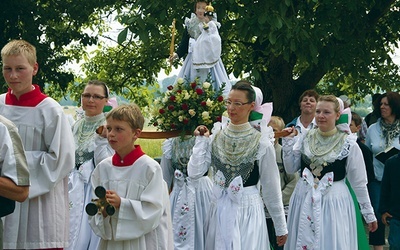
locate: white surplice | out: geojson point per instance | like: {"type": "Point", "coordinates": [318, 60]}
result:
{"type": "Point", "coordinates": [143, 221]}
{"type": "Point", "coordinates": [42, 221]}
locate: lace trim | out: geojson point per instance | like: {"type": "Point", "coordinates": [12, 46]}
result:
{"type": "Point", "coordinates": [367, 212]}
{"type": "Point", "coordinates": [84, 135]}
{"type": "Point", "coordinates": [181, 152]}
{"type": "Point", "coordinates": [234, 151]}
{"type": "Point", "coordinates": [192, 25]}
{"type": "Point", "coordinates": [340, 151]}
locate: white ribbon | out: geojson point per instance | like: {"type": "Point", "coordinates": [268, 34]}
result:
{"type": "Point", "coordinates": [228, 201]}
{"type": "Point", "coordinates": [310, 216]}
{"type": "Point", "coordinates": [183, 216]}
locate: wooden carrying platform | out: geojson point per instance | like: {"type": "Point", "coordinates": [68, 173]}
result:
{"type": "Point", "coordinates": [176, 133]}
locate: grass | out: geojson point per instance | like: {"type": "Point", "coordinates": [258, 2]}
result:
{"type": "Point", "coordinates": [152, 147]}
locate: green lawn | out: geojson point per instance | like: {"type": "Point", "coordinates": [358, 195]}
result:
{"type": "Point", "coordinates": [152, 147]}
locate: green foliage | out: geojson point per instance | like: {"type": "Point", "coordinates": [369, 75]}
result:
{"type": "Point", "coordinates": [287, 47]}
{"type": "Point", "coordinates": [56, 29]}
{"type": "Point", "coordinates": [127, 74]}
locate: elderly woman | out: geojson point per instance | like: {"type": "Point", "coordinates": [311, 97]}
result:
{"type": "Point", "coordinates": [321, 211]}
{"type": "Point", "coordinates": [380, 136]}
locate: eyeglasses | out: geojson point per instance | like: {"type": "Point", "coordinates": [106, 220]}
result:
{"type": "Point", "coordinates": [235, 104]}
{"type": "Point", "coordinates": [95, 97]}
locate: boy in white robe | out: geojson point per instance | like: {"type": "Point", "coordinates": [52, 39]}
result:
{"type": "Point", "coordinates": [42, 221]}
{"type": "Point", "coordinates": [134, 187]}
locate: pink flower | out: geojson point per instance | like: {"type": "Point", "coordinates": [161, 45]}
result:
{"type": "Point", "coordinates": [220, 98]}
{"type": "Point", "coordinates": [185, 121]}
{"type": "Point", "coordinates": [161, 111]}
{"type": "Point", "coordinates": [172, 98]}
{"type": "Point", "coordinates": [193, 85]}
{"type": "Point", "coordinates": [218, 118]}
{"type": "Point", "coordinates": [203, 103]}
{"type": "Point", "coordinates": [171, 107]}
{"type": "Point", "coordinates": [170, 87]}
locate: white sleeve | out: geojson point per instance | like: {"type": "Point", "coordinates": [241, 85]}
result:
{"type": "Point", "coordinates": [200, 159]}
{"type": "Point", "coordinates": [166, 163]}
{"type": "Point", "coordinates": [12, 156]}
{"type": "Point", "coordinates": [103, 149]}
{"type": "Point", "coordinates": [100, 225]}
{"type": "Point", "coordinates": [357, 177]}
{"type": "Point", "coordinates": [291, 154]}
{"type": "Point", "coordinates": [53, 163]}
{"type": "Point", "coordinates": [271, 189]}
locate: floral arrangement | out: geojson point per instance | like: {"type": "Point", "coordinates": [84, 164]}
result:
{"type": "Point", "coordinates": [186, 105]}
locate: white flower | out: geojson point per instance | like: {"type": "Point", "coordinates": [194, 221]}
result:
{"type": "Point", "coordinates": [165, 99]}
{"type": "Point", "coordinates": [209, 102]}
{"type": "Point", "coordinates": [192, 112]}
{"type": "Point", "coordinates": [180, 118]}
{"type": "Point", "coordinates": [205, 115]}
{"type": "Point", "coordinates": [180, 80]}
{"type": "Point", "coordinates": [187, 96]}
{"type": "Point", "coordinates": [160, 121]}
{"type": "Point", "coordinates": [206, 85]}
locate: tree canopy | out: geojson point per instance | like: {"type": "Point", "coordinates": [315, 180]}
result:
{"type": "Point", "coordinates": [57, 30]}
{"type": "Point", "coordinates": [289, 46]}
{"type": "Point", "coordinates": [286, 47]}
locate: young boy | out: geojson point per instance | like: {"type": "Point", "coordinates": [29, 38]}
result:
{"type": "Point", "coordinates": [355, 126]}
{"type": "Point", "coordinates": [41, 222]}
{"type": "Point", "coordinates": [14, 178]}
{"type": "Point", "coordinates": [389, 205]}
{"type": "Point", "coordinates": [288, 181]}
{"type": "Point", "coordinates": [134, 186]}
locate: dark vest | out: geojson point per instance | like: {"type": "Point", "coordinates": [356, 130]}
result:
{"type": "Point", "coordinates": [338, 168]}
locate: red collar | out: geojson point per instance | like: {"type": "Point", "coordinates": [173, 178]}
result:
{"type": "Point", "coordinates": [129, 159]}
{"type": "Point", "coordinates": [30, 99]}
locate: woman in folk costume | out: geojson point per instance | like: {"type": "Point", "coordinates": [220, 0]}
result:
{"type": "Point", "coordinates": [321, 210]}
{"type": "Point", "coordinates": [240, 158]}
{"type": "Point", "coordinates": [202, 44]}
{"type": "Point", "coordinates": [90, 150]}
{"type": "Point", "coordinates": [190, 198]}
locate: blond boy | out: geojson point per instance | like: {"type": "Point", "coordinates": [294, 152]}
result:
{"type": "Point", "coordinates": [134, 186]}
{"type": "Point", "coordinates": [41, 222]}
